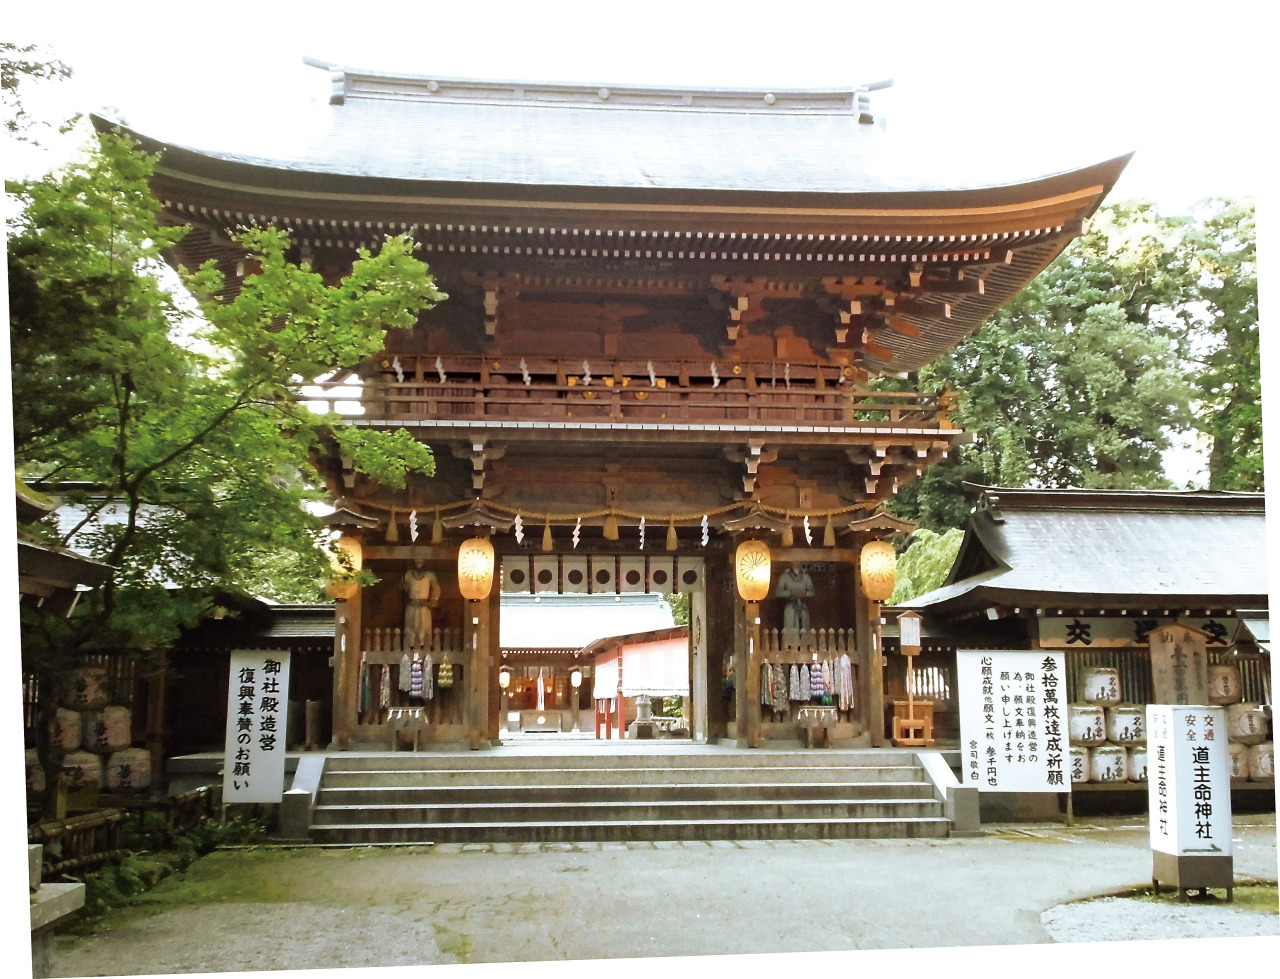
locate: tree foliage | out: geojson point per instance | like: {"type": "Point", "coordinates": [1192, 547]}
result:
{"type": "Point", "coordinates": [1145, 327]}
{"type": "Point", "coordinates": [191, 429]}
{"type": "Point", "coordinates": [925, 563]}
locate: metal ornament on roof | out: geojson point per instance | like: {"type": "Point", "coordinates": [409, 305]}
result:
{"type": "Point", "coordinates": [756, 519]}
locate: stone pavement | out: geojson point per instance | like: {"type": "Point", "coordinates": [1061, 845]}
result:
{"type": "Point", "coordinates": [496, 903]}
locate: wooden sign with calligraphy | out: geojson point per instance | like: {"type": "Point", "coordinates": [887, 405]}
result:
{"type": "Point", "coordinates": [1179, 666]}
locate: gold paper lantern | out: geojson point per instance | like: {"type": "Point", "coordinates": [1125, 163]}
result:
{"type": "Point", "coordinates": [751, 564]}
{"type": "Point", "coordinates": [347, 558]}
{"type": "Point", "coordinates": [879, 568]}
{"type": "Point", "coordinates": [475, 568]}
{"type": "Point", "coordinates": [504, 678]}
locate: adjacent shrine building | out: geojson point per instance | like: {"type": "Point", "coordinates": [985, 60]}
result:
{"type": "Point", "coordinates": [666, 308]}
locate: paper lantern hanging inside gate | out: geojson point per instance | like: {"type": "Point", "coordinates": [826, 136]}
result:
{"type": "Point", "coordinates": [751, 564]}
{"type": "Point", "coordinates": [879, 569]}
{"type": "Point", "coordinates": [475, 568]}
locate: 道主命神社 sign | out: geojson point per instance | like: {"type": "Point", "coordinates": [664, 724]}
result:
{"type": "Point", "coordinates": [1188, 780]}
{"type": "Point", "coordinates": [1013, 720]}
{"type": "Point", "coordinates": [257, 704]}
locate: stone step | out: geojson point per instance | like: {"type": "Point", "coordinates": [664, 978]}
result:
{"type": "Point", "coordinates": [687, 774]}
{"type": "Point", "coordinates": [562, 811]}
{"type": "Point", "coordinates": [818, 758]}
{"type": "Point", "coordinates": [401, 795]}
{"type": "Point", "coordinates": [585, 831]}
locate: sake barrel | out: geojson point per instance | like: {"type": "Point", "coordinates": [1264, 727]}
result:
{"type": "Point", "coordinates": [66, 730]}
{"type": "Point", "coordinates": [83, 770]}
{"type": "Point", "coordinates": [1086, 724]}
{"type": "Point", "coordinates": [1238, 755]}
{"type": "Point", "coordinates": [1079, 764]}
{"type": "Point", "coordinates": [1262, 762]}
{"type": "Point", "coordinates": [1246, 723]}
{"type": "Point", "coordinates": [1138, 763]}
{"type": "Point", "coordinates": [85, 688]}
{"type": "Point", "coordinates": [1100, 685]}
{"type": "Point", "coordinates": [107, 730]}
{"type": "Point", "coordinates": [35, 771]}
{"type": "Point", "coordinates": [1108, 763]}
{"type": "Point", "coordinates": [1127, 724]}
{"type": "Point", "coordinates": [1224, 684]}
{"type": "Point", "coordinates": [128, 770]}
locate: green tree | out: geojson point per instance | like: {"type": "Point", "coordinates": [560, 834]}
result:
{"type": "Point", "coordinates": [191, 429]}
{"type": "Point", "coordinates": [1226, 363]}
{"type": "Point", "coordinates": [926, 562]}
{"type": "Point", "coordinates": [1082, 379]}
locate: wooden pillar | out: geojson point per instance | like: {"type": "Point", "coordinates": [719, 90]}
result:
{"type": "Point", "coordinates": [157, 695]}
{"type": "Point", "coordinates": [751, 682]}
{"type": "Point", "coordinates": [496, 700]}
{"type": "Point", "coordinates": [871, 660]}
{"type": "Point", "coordinates": [478, 674]}
{"type": "Point", "coordinates": [622, 715]}
{"type": "Point", "coordinates": [346, 669]}
{"type": "Point", "coordinates": [699, 667]}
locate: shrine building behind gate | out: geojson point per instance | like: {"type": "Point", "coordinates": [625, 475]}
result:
{"type": "Point", "coordinates": [666, 308]}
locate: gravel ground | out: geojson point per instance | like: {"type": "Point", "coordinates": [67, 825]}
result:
{"type": "Point", "coordinates": [1028, 886]}
{"type": "Point", "coordinates": [1121, 919]}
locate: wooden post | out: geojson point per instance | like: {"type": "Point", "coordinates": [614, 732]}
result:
{"type": "Point", "coordinates": [157, 690]}
{"type": "Point", "coordinates": [478, 669]}
{"type": "Point", "coordinates": [876, 676]}
{"type": "Point", "coordinates": [346, 669]}
{"type": "Point", "coordinates": [752, 680]}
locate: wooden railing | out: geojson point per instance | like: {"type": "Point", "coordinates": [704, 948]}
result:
{"type": "Point", "coordinates": [90, 840]}
{"type": "Point", "coordinates": [625, 390]}
{"type": "Point", "coordinates": [800, 646]}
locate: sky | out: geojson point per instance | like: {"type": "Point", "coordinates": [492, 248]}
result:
{"type": "Point", "coordinates": [1189, 88]}
{"type": "Point", "coordinates": [977, 88]}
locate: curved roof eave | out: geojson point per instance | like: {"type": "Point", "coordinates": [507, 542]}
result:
{"type": "Point", "coordinates": [280, 178]}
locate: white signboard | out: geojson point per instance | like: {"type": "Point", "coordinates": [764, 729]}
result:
{"type": "Point", "coordinates": [257, 703]}
{"type": "Point", "coordinates": [1012, 720]}
{"type": "Point", "coordinates": [1189, 780]}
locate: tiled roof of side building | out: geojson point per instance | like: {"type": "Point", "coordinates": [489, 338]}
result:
{"type": "Point", "coordinates": [1100, 547]}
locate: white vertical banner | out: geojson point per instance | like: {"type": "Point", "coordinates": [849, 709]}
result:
{"type": "Point", "coordinates": [1012, 705]}
{"type": "Point", "coordinates": [1188, 780]}
{"type": "Point", "coordinates": [257, 705]}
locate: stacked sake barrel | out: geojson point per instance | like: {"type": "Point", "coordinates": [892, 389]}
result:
{"type": "Point", "coordinates": [1252, 756]}
{"type": "Point", "coordinates": [95, 739]}
{"type": "Point", "coordinates": [1108, 737]}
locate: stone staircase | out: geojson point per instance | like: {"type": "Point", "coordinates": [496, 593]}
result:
{"type": "Point", "coordinates": [492, 797]}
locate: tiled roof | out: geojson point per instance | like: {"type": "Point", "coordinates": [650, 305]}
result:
{"type": "Point", "coordinates": [547, 135]}
{"type": "Point", "coordinates": [1091, 548]}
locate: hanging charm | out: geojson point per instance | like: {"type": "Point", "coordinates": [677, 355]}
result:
{"type": "Point", "coordinates": [437, 530]}
{"type": "Point", "coordinates": [642, 533]}
{"type": "Point", "coordinates": [829, 534]}
{"type": "Point", "coordinates": [440, 370]}
{"type": "Point", "coordinates": [788, 536]}
{"type": "Point", "coordinates": [519, 530]}
{"type": "Point", "coordinates": [586, 373]}
{"type": "Point", "coordinates": [413, 526]}
{"type": "Point", "coordinates": [524, 373]}
{"type": "Point", "coordinates": [610, 527]}
{"type": "Point", "coordinates": [653, 375]}
{"type": "Point", "coordinates": [715, 375]}
{"type": "Point", "coordinates": [395, 366]}
{"type": "Point", "coordinates": [546, 536]}
{"type": "Point", "coordinates": [672, 540]}
{"type": "Point", "coordinates": [577, 533]}
{"type": "Point", "coordinates": [393, 532]}
{"type": "Point", "coordinates": [808, 534]}
{"type": "Point", "coordinates": [706, 534]}
{"type": "Point", "coordinates": [786, 375]}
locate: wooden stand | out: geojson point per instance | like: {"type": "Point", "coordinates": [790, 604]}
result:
{"type": "Point", "coordinates": [913, 723]}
